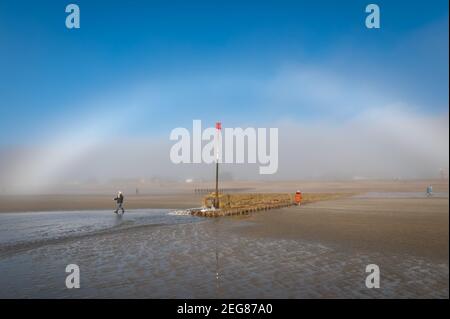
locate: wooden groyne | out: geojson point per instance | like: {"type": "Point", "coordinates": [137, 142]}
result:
{"type": "Point", "coordinates": [241, 204]}
{"type": "Point", "coordinates": [221, 190]}
{"type": "Point", "coordinates": [246, 203]}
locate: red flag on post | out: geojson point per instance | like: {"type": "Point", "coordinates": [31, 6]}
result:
{"type": "Point", "coordinates": [218, 125]}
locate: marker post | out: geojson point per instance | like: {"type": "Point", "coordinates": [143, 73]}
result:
{"type": "Point", "coordinates": [218, 128]}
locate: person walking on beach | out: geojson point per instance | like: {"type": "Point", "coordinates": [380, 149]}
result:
{"type": "Point", "coordinates": [429, 191]}
{"type": "Point", "coordinates": [119, 203]}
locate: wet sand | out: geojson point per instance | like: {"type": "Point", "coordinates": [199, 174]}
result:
{"type": "Point", "coordinates": [415, 226]}
{"type": "Point", "coordinates": [319, 250]}
{"type": "Point", "coordinates": [253, 260]}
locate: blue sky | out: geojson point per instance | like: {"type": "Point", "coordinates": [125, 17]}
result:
{"type": "Point", "coordinates": [214, 59]}
{"type": "Point", "coordinates": [135, 70]}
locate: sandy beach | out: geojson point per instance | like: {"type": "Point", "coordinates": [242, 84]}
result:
{"type": "Point", "coordinates": [58, 202]}
{"type": "Point", "coordinates": [183, 195]}
{"type": "Point", "coordinates": [414, 226]}
{"type": "Point", "coordinates": [318, 250]}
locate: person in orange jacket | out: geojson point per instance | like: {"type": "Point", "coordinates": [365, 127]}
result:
{"type": "Point", "coordinates": [298, 197]}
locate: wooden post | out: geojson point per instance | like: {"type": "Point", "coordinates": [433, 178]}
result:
{"type": "Point", "coordinates": [218, 128]}
{"type": "Point", "coordinates": [216, 204]}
